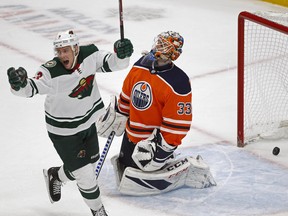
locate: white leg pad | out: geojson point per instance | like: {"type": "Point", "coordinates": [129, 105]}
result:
{"type": "Point", "coordinates": [188, 171]}
{"type": "Point", "coordinates": [117, 169]}
{"type": "Point", "coordinates": [138, 183]}
{"type": "Point", "coordinates": [199, 175]}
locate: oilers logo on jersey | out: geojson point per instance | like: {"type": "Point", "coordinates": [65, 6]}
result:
{"type": "Point", "coordinates": [142, 95]}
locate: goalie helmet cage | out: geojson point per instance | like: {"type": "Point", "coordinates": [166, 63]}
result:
{"type": "Point", "coordinates": [262, 108]}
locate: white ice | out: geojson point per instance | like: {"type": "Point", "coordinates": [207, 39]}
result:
{"type": "Point", "coordinates": [251, 181]}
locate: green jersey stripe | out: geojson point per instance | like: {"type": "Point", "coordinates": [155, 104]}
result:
{"type": "Point", "coordinates": [73, 122]}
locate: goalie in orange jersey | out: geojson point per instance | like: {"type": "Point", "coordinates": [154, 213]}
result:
{"type": "Point", "coordinates": [155, 111]}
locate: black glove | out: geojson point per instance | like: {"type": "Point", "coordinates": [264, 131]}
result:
{"type": "Point", "coordinates": [123, 48]}
{"type": "Point", "coordinates": [17, 78]}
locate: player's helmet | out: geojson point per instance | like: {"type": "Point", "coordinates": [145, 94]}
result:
{"type": "Point", "coordinates": [66, 38]}
{"type": "Point", "coordinates": [168, 45]}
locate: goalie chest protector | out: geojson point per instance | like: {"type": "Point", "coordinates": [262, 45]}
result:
{"type": "Point", "coordinates": [157, 99]}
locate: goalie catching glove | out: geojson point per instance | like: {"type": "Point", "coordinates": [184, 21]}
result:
{"type": "Point", "coordinates": [153, 153]}
{"type": "Point", "coordinates": [112, 120]}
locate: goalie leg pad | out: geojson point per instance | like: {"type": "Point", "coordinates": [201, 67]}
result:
{"type": "Point", "coordinates": [199, 175]}
{"type": "Point", "coordinates": [118, 169]}
{"type": "Point", "coordinates": [138, 183]}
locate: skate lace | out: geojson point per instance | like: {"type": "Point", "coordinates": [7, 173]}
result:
{"type": "Point", "coordinates": [100, 212]}
{"type": "Point", "coordinates": [57, 187]}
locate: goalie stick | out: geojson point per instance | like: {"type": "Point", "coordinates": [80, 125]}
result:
{"type": "Point", "coordinates": [104, 153]}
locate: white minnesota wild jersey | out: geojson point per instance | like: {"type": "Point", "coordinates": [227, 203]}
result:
{"type": "Point", "coordinates": [73, 101]}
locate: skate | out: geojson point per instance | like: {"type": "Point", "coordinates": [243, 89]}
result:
{"type": "Point", "coordinates": [99, 212]}
{"type": "Point", "coordinates": [53, 183]}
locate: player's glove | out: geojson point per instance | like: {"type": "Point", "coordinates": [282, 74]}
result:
{"type": "Point", "coordinates": [123, 48]}
{"type": "Point", "coordinates": [153, 153]}
{"type": "Point", "coordinates": [112, 120]}
{"type": "Point", "coordinates": [17, 78]}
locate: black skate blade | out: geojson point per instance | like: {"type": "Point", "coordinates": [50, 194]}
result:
{"type": "Point", "coordinates": [45, 173]}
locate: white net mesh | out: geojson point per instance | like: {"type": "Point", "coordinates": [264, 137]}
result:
{"type": "Point", "coordinates": [265, 79]}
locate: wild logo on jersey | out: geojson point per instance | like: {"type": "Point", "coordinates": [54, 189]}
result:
{"type": "Point", "coordinates": [142, 95]}
{"type": "Point", "coordinates": [84, 88]}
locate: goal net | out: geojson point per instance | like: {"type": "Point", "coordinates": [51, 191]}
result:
{"type": "Point", "coordinates": [262, 76]}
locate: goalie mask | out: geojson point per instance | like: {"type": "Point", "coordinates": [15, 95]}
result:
{"type": "Point", "coordinates": [168, 45]}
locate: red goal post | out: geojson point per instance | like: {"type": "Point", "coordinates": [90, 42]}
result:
{"type": "Point", "coordinates": [262, 106]}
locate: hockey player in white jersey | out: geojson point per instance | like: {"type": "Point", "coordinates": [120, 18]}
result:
{"type": "Point", "coordinates": [72, 106]}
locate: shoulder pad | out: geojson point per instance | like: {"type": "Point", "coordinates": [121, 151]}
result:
{"type": "Point", "coordinates": [86, 51]}
{"type": "Point", "coordinates": [177, 79]}
{"type": "Point", "coordinates": [50, 64]}
{"type": "Point", "coordinates": [55, 68]}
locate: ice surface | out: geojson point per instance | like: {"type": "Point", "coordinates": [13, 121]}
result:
{"type": "Point", "coordinates": [251, 181]}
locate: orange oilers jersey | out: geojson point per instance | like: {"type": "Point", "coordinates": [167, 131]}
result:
{"type": "Point", "coordinates": [156, 99]}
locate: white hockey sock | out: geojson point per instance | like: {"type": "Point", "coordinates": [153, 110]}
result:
{"type": "Point", "coordinates": [62, 175]}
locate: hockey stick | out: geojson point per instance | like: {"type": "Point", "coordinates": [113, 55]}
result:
{"type": "Point", "coordinates": [121, 20]}
{"type": "Point", "coordinates": [112, 134]}
{"type": "Point", "coordinates": [104, 153]}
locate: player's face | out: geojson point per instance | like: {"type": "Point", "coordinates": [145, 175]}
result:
{"type": "Point", "coordinates": [162, 60]}
{"type": "Point", "coordinates": [66, 56]}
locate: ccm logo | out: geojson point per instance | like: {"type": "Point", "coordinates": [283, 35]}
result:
{"type": "Point", "coordinates": [180, 163]}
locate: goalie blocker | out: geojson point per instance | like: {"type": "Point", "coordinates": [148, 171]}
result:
{"type": "Point", "coordinates": [187, 171]}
